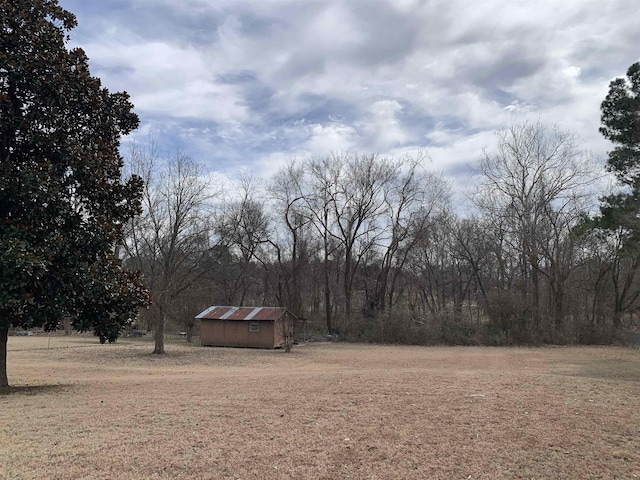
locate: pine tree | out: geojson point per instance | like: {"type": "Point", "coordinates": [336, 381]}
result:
{"type": "Point", "coordinates": [621, 125]}
{"type": "Point", "coordinates": [620, 212]}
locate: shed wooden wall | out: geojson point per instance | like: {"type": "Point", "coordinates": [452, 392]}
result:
{"type": "Point", "coordinates": [235, 333]}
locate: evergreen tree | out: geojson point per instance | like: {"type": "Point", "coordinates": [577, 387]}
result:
{"type": "Point", "coordinates": [620, 212]}
{"type": "Point", "coordinates": [63, 203]}
{"type": "Point", "coordinates": [621, 124]}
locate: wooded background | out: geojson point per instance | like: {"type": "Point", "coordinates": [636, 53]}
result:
{"type": "Point", "coordinates": [371, 248]}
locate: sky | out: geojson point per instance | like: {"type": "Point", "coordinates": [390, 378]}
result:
{"type": "Point", "coordinates": [247, 85]}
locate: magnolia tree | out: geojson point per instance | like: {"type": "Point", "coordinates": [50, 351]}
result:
{"type": "Point", "coordinates": [63, 202]}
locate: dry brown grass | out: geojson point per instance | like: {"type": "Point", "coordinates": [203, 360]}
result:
{"type": "Point", "coordinates": [328, 411]}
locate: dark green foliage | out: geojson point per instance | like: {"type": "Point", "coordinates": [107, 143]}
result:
{"type": "Point", "coordinates": [63, 205]}
{"type": "Point", "coordinates": [621, 124]}
{"type": "Point", "coordinates": [619, 218]}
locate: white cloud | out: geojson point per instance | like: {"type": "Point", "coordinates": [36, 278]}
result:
{"type": "Point", "coordinates": [335, 137]}
{"type": "Point", "coordinates": [168, 79]}
{"type": "Point", "coordinates": [381, 128]}
{"type": "Point", "coordinates": [264, 80]}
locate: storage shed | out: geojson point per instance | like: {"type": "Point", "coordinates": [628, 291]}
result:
{"type": "Point", "coordinates": [256, 327]}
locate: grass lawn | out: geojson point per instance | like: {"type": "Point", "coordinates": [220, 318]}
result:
{"type": "Point", "coordinates": [78, 409]}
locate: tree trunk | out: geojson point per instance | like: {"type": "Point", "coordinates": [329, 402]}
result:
{"type": "Point", "coordinates": [290, 326]}
{"type": "Point", "coordinates": [327, 307]}
{"type": "Point", "coordinates": [66, 323]}
{"type": "Point", "coordinates": [4, 335]}
{"type": "Point", "coordinates": [158, 335]}
{"type": "Point", "coordinates": [287, 344]}
{"type": "Point", "coordinates": [348, 281]}
{"type": "Point", "coordinates": [327, 291]}
{"type": "Point", "coordinates": [558, 306]}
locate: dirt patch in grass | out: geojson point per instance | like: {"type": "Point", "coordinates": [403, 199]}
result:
{"type": "Point", "coordinates": [84, 410]}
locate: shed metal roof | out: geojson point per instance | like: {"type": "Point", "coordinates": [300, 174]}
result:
{"type": "Point", "coordinates": [242, 313]}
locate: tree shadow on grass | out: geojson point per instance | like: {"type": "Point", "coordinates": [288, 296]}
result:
{"type": "Point", "coordinates": [33, 389]}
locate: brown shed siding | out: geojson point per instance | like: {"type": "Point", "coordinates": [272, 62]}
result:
{"type": "Point", "coordinates": [234, 333]}
{"type": "Point", "coordinates": [231, 326]}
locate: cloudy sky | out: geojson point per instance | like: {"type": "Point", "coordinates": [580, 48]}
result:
{"type": "Point", "coordinates": [242, 84]}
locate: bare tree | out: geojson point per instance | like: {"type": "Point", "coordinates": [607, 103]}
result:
{"type": "Point", "coordinates": [413, 197]}
{"type": "Point", "coordinates": [285, 328]}
{"type": "Point", "coordinates": [243, 226]}
{"type": "Point", "coordinates": [315, 189]}
{"type": "Point", "coordinates": [430, 263]}
{"type": "Point", "coordinates": [171, 237]}
{"type": "Point", "coordinates": [359, 202]}
{"type": "Point", "coordinates": [292, 247]}
{"type": "Point", "coordinates": [537, 181]}
{"type": "Point", "coordinates": [616, 262]}
{"type": "Point", "coordinates": [473, 247]}
{"type": "Point", "coordinates": [361, 208]}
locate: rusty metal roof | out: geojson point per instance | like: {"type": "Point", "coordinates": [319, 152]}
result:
{"type": "Point", "coordinates": [242, 313]}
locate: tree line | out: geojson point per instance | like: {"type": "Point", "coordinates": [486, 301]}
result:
{"type": "Point", "coordinates": [370, 248]}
